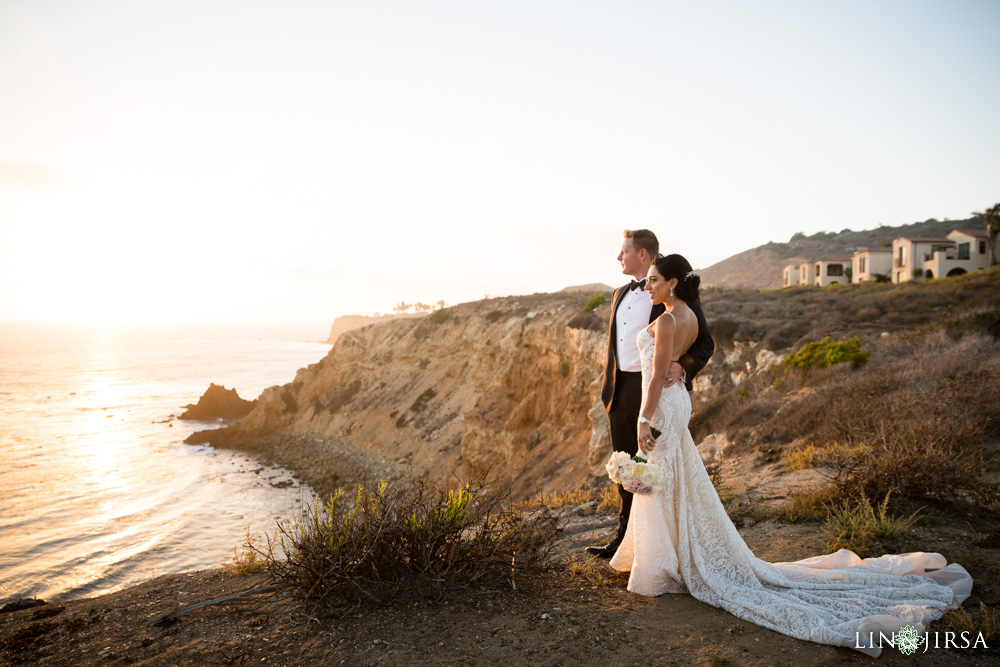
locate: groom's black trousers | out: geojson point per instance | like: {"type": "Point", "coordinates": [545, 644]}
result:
{"type": "Point", "coordinates": [623, 417]}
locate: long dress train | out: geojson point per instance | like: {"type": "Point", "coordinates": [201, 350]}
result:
{"type": "Point", "coordinates": [681, 540]}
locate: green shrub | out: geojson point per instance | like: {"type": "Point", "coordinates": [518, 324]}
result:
{"type": "Point", "coordinates": [438, 316]}
{"type": "Point", "coordinates": [823, 353]}
{"type": "Point", "coordinates": [594, 302]}
{"type": "Point", "coordinates": [564, 369]}
{"type": "Point", "coordinates": [405, 541]}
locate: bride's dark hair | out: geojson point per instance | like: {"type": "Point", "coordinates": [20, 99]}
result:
{"type": "Point", "coordinates": [675, 266]}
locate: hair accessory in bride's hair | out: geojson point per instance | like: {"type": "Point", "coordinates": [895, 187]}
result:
{"type": "Point", "coordinates": [691, 274]}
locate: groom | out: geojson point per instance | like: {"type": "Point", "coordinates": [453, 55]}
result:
{"type": "Point", "coordinates": [622, 392]}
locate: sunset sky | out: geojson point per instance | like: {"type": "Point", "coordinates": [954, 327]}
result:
{"type": "Point", "coordinates": [262, 162]}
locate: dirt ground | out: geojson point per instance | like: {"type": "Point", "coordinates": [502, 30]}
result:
{"type": "Point", "coordinates": [580, 613]}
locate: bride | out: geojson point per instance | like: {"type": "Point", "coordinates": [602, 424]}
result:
{"type": "Point", "coordinates": [680, 540]}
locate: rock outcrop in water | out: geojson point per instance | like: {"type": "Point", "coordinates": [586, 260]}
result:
{"type": "Point", "coordinates": [218, 403]}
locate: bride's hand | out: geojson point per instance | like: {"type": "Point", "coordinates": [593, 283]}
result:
{"type": "Point", "coordinates": [646, 440]}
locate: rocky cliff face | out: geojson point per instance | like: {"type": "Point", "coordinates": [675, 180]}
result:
{"type": "Point", "coordinates": [510, 385]}
{"type": "Point", "coordinates": [501, 384]}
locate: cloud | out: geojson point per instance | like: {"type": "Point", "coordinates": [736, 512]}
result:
{"type": "Point", "coordinates": [30, 176]}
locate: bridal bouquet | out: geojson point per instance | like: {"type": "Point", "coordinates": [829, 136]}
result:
{"type": "Point", "coordinates": [635, 473]}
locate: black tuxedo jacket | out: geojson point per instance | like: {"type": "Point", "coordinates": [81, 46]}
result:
{"type": "Point", "coordinates": [693, 361]}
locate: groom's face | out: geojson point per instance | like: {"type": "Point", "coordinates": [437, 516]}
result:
{"type": "Point", "coordinates": [630, 259]}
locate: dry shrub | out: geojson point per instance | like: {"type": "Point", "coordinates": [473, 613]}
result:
{"type": "Point", "coordinates": [915, 418]}
{"type": "Point", "coordinates": [248, 559]}
{"type": "Point", "coordinates": [858, 525]}
{"type": "Point", "coordinates": [988, 623]}
{"type": "Point", "coordinates": [809, 505]}
{"type": "Point", "coordinates": [801, 458]}
{"type": "Point", "coordinates": [410, 541]}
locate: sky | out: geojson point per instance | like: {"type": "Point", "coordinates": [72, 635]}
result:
{"type": "Point", "coordinates": [258, 163]}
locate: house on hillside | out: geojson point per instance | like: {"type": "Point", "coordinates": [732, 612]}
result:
{"type": "Point", "coordinates": [831, 270]}
{"type": "Point", "coordinates": [966, 251]}
{"type": "Point", "coordinates": [910, 254]}
{"type": "Point", "coordinates": [868, 263]}
{"type": "Point", "coordinates": [807, 273]}
{"type": "Point", "coordinates": [790, 275]}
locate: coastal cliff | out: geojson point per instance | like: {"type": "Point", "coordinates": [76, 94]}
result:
{"type": "Point", "coordinates": [509, 384]}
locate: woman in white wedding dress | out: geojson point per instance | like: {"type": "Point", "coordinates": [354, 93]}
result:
{"type": "Point", "coordinates": [680, 539]}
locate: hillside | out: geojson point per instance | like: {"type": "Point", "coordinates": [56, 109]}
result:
{"type": "Point", "coordinates": [761, 267]}
{"type": "Point", "coordinates": [512, 384]}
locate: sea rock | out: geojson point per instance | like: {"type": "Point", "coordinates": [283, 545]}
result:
{"type": "Point", "coordinates": [22, 603]}
{"type": "Point", "coordinates": [218, 403]}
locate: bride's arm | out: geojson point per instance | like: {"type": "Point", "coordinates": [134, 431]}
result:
{"type": "Point", "coordinates": [664, 345]}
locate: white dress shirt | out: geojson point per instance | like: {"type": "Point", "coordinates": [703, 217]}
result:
{"type": "Point", "coordinates": [632, 315]}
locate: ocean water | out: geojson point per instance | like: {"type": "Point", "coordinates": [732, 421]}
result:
{"type": "Point", "coordinates": [97, 490]}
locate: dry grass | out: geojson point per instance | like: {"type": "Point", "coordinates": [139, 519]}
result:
{"type": "Point", "coordinates": [399, 542]}
{"type": "Point", "coordinates": [248, 558]}
{"type": "Point", "coordinates": [986, 623]}
{"type": "Point", "coordinates": [585, 497]}
{"type": "Point", "coordinates": [801, 458]}
{"type": "Point", "coordinates": [810, 505]}
{"type": "Point", "coordinates": [858, 525]}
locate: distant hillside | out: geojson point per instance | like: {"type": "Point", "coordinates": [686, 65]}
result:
{"type": "Point", "coordinates": [761, 267]}
{"type": "Point", "coordinates": [591, 288]}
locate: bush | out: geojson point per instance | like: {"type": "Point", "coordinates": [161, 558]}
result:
{"type": "Point", "coordinates": [404, 541]}
{"type": "Point", "coordinates": [824, 353]}
{"type": "Point", "coordinates": [960, 620]}
{"type": "Point", "coordinates": [801, 458]}
{"type": "Point", "coordinates": [594, 302]}
{"type": "Point", "coordinates": [248, 559]}
{"type": "Point", "coordinates": [438, 316]}
{"type": "Point", "coordinates": [861, 526]}
{"type": "Point", "coordinates": [808, 505]}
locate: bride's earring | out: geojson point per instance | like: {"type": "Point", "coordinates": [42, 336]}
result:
{"type": "Point", "coordinates": [671, 291]}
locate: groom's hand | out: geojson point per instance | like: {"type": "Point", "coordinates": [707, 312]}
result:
{"type": "Point", "coordinates": [674, 373]}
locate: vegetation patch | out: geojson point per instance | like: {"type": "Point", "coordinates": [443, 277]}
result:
{"type": "Point", "coordinates": [858, 525]}
{"type": "Point", "coordinates": [399, 542]}
{"type": "Point", "coordinates": [801, 458]}
{"type": "Point", "coordinates": [987, 622]}
{"type": "Point", "coordinates": [594, 302]}
{"type": "Point", "coordinates": [826, 352]}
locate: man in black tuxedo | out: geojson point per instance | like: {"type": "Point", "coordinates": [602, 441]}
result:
{"type": "Point", "coordinates": [622, 391]}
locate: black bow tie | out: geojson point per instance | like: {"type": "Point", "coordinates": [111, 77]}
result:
{"type": "Point", "coordinates": [633, 284]}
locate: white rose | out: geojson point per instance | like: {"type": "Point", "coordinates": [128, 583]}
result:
{"type": "Point", "coordinates": [627, 469]}
{"type": "Point", "coordinates": [648, 477]}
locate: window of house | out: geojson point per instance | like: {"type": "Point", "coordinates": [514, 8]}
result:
{"type": "Point", "coordinates": [982, 247]}
{"type": "Point", "coordinates": [963, 250]}
{"type": "Point", "coordinates": [834, 269]}
{"type": "Point", "coordinates": [861, 265]}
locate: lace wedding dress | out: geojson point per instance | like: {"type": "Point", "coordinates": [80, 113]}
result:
{"type": "Point", "coordinates": [680, 540]}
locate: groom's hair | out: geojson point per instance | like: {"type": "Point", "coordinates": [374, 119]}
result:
{"type": "Point", "coordinates": [643, 239]}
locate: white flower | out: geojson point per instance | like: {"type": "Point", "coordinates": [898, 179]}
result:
{"type": "Point", "coordinates": [691, 274]}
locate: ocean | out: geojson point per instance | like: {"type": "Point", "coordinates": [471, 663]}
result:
{"type": "Point", "coordinates": [97, 489]}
